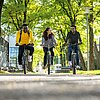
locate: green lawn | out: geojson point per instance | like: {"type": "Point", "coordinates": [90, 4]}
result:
{"type": "Point", "coordinates": [93, 72]}
{"type": "Point", "coordinates": [3, 72]}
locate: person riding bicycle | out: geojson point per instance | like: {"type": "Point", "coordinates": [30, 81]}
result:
{"type": "Point", "coordinates": [24, 38]}
{"type": "Point", "coordinates": [48, 39]}
{"type": "Point", "coordinates": [73, 37]}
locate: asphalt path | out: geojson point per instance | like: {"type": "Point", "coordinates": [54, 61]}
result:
{"type": "Point", "coordinates": [49, 87]}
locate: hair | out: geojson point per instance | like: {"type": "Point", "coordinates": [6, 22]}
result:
{"type": "Point", "coordinates": [73, 26]}
{"type": "Point", "coordinates": [24, 24]}
{"type": "Point", "coordinates": [45, 34]}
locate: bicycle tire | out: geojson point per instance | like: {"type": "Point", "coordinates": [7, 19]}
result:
{"type": "Point", "coordinates": [73, 64]}
{"type": "Point", "coordinates": [24, 65]}
{"type": "Point", "coordinates": [48, 64]}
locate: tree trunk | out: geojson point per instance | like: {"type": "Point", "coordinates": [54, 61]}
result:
{"type": "Point", "coordinates": [82, 61]}
{"type": "Point", "coordinates": [91, 40]}
{"type": "Point", "coordinates": [25, 12]}
{"type": "Point", "coordinates": [97, 56]}
{"type": "Point", "coordinates": [61, 58]}
{"type": "Point", "coordinates": [1, 4]}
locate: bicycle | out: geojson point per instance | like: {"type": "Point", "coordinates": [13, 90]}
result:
{"type": "Point", "coordinates": [48, 59]}
{"type": "Point", "coordinates": [24, 58]}
{"type": "Point", "coordinates": [73, 57]}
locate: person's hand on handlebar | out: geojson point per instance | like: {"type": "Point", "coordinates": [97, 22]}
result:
{"type": "Point", "coordinates": [31, 44]}
{"type": "Point", "coordinates": [65, 44]}
{"type": "Point", "coordinates": [80, 43]}
{"type": "Point", "coordinates": [17, 44]}
{"type": "Point", "coordinates": [42, 45]}
{"type": "Point", "coordinates": [56, 44]}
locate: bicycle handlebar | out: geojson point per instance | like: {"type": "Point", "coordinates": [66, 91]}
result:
{"type": "Point", "coordinates": [72, 44]}
{"type": "Point", "coordinates": [24, 45]}
{"type": "Point", "coordinates": [48, 45]}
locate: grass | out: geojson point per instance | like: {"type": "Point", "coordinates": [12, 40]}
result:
{"type": "Point", "coordinates": [3, 72]}
{"type": "Point", "coordinates": [92, 72]}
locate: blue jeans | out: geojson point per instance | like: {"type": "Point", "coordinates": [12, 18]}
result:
{"type": "Point", "coordinates": [75, 48]}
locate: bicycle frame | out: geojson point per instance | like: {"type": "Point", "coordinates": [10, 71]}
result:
{"type": "Point", "coordinates": [24, 60]}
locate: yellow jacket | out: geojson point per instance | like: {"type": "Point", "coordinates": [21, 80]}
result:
{"type": "Point", "coordinates": [25, 38]}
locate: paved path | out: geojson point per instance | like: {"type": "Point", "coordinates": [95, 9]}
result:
{"type": "Point", "coordinates": [44, 77]}
{"type": "Point", "coordinates": [53, 87]}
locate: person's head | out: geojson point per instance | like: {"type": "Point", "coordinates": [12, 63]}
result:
{"type": "Point", "coordinates": [47, 33]}
{"type": "Point", "coordinates": [73, 28]}
{"type": "Point", "coordinates": [25, 27]}
{"type": "Point", "coordinates": [48, 30]}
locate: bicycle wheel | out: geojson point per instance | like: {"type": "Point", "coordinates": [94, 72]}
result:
{"type": "Point", "coordinates": [48, 64]}
{"type": "Point", "coordinates": [73, 64]}
{"type": "Point", "coordinates": [24, 64]}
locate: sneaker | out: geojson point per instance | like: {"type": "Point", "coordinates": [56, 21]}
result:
{"type": "Point", "coordinates": [44, 67]}
{"type": "Point", "coordinates": [69, 64]}
{"type": "Point", "coordinates": [29, 58]}
{"type": "Point", "coordinates": [78, 67]}
{"type": "Point", "coordinates": [20, 67]}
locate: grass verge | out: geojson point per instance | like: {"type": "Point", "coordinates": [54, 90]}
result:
{"type": "Point", "coordinates": [3, 72]}
{"type": "Point", "coordinates": [92, 72]}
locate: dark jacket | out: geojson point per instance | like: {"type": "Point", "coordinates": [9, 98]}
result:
{"type": "Point", "coordinates": [73, 38]}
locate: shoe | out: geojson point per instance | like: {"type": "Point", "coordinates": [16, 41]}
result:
{"type": "Point", "coordinates": [43, 67]}
{"type": "Point", "coordinates": [70, 64]}
{"type": "Point", "coordinates": [20, 67]}
{"type": "Point", "coordinates": [78, 67]}
{"type": "Point", "coordinates": [29, 58]}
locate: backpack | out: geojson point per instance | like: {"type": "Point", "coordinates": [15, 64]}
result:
{"type": "Point", "coordinates": [21, 34]}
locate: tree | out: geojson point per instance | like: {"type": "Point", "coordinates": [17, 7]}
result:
{"type": "Point", "coordinates": [91, 39]}
{"type": "Point", "coordinates": [58, 14]}
{"type": "Point", "coordinates": [17, 16]}
{"type": "Point", "coordinates": [1, 5]}
{"type": "Point", "coordinates": [71, 9]}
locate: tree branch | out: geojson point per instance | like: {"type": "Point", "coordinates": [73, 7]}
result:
{"type": "Point", "coordinates": [13, 21]}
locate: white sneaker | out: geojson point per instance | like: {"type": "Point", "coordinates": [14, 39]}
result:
{"type": "Point", "coordinates": [69, 63]}
{"type": "Point", "coordinates": [29, 58]}
{"type": "Point", "coordinates": [78, 67]}
{"type": "Point", "coordinates": [20, 67]}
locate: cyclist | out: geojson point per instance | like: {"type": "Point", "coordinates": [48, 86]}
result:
{"type": "Point", "coordinates": [73, 37]}
{"type": "Point", "coordinates": [48, 39]}
{"type": "Point", "coordinates": [24, 37]}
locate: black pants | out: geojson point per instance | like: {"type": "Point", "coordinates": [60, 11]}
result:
{"type": "Point", "coordinates": [45, 49]}
{"type": "Point", "coordinates": [21, 51]}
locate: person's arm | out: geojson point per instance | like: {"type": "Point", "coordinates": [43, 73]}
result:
{"type": "Point", "coordinates": [80, 40]}
{"type": "Point", "coordinates": [54, 40]}
{"type": "Point", "coordinates": [17, 37]}
{"type": "Point", "coordinates": [43, 40]}
{"type": "Point", "coordinates": [31, 38]}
